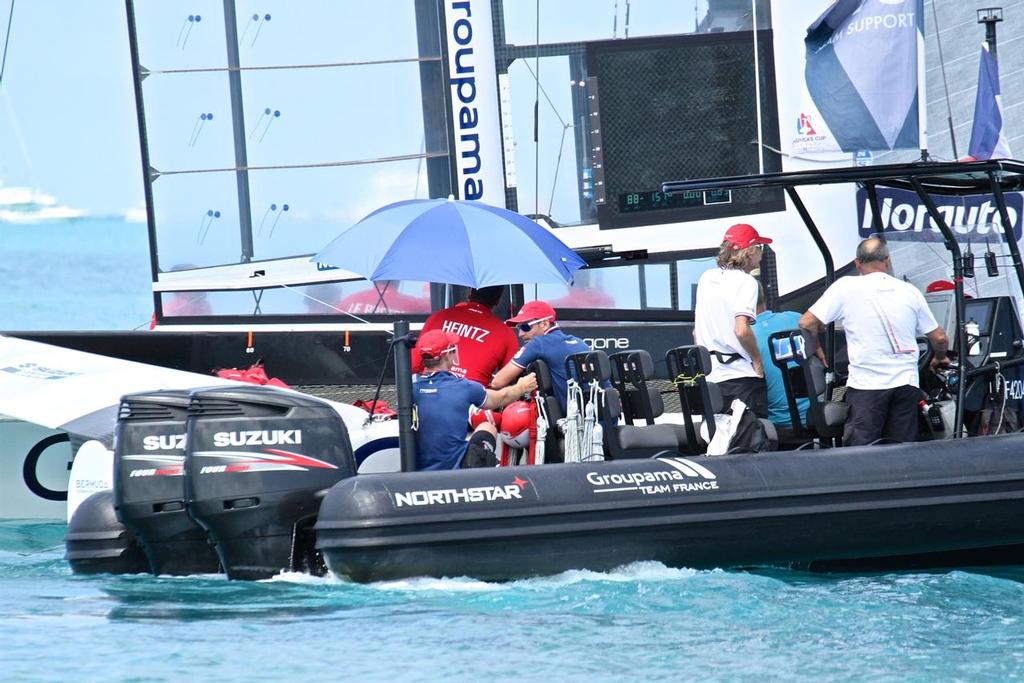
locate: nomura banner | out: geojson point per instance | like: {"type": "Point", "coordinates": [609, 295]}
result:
{"type": "Point", "coordinates": [863, 72]}
{"type": "Point", "coordinates": [973, 218]}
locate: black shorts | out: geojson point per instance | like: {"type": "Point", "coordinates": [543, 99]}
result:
{"type": "Point", "coordinates": [480, 452]}
{"type": "Point", "coordinates": [878, 413]}
{"type": "Point", "coordinates": [753, 391]}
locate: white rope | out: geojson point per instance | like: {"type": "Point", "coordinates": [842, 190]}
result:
{"type": "Point", "coordinates": [542, 430]}
{"type": "Point", "coordinates": [596, 437]}
{"type": "Point", "coordinates": [1001, 388]}
{"type": "Point", "coordinates": [589, 420]}
{"type": "Point", "coordinates": [571, 424]}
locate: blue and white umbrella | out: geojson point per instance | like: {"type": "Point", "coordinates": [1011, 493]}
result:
{"type": "Point", "coordinates": [451, 241]}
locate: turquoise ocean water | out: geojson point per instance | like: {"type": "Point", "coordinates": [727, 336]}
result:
{"type": "Point", "coordinates": [79, 275]}
{"type": "Point", "coordinates": [640, 622]}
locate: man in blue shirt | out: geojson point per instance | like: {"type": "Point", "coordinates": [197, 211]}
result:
{"type": "Point", "coordinates": [544, 340]}
{"type": "Point", "coordinates": [767, 324]}
{"type": "Point", "coordinates": [442, 403]}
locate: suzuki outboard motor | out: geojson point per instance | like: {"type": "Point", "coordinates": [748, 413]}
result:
{"type": "Point", "coordinates": [98, 543]}
{"type": "Point", "coordinates": [149, 483]}
{"type": "Point", "coordinates": [258, 463]}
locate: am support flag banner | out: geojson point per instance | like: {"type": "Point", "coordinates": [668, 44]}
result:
{"type": "Point", "coordinates": [862, 78]}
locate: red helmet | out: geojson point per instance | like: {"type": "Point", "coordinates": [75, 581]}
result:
{"type": "Point", "coordinates": [516, 421]}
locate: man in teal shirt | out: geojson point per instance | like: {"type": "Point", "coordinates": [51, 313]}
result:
{"type": "Point", "coordinates": [767, 324]}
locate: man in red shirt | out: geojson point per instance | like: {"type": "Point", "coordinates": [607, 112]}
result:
{"type": "Point", "coordinates": [486, 344]}
{"type": "Point", "coordinates": [383, 297]}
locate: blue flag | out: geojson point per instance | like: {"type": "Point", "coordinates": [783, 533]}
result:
{"type": "Point", "coordinates": [987, 138]}
{"type": "Point", "coordinates": [862, 72]}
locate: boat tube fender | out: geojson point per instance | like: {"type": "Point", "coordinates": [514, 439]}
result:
{"type": "Point", "coordinates": [97, 543]}
{"type": "Point", "coordinates": [149, 489]}
{"type": "Point", "coordinates": [92, 471]}
{"type": "Point", "coordinates": [256, 463]}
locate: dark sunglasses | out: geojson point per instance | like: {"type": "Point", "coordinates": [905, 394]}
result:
{"type": "Point", "coordinates": [525, 327]}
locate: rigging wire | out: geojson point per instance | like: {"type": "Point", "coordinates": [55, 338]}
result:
{"type": "Point", "coordinates": [547, 98]}
{"type": "Point", "coordinates": [536, 118]}
{"type": "Point", "coordinates": [290, 67]}
{"type": "Point", "coordinates": [419, 167]}
{"type": "Point", "coordinates": [7, 103]}
{"type": "Point", "coordinates": [324, 303]}
{"type": "Point", "coordinates": [7, 41]}
{"type": "Point", "coordinates": [558, 165]}
{"type": "Point", "coordinates": [561, 148]}
{"type": "Point", "coordinates": [945, 84]}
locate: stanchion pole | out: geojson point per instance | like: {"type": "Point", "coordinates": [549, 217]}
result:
{"type": "Point", "coordinates": [403, 386]}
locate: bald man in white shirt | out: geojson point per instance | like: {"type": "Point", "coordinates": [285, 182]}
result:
{"type": "Point", "coordinates": [882, 317]}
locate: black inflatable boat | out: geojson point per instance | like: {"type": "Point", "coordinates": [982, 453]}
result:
{"type": "Point", "coordinates": [260, 467]}
{"type": "Point", "coordinates": [878, 506]}
{"type": "Point", "coordinates": [269, 479]}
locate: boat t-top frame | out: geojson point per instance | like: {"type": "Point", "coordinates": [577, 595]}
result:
{"type": "Point", "coordinates": [994, 177]}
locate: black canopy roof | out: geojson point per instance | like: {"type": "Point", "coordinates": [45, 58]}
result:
{"type": "Point", "coordinates": [948, 178]}
{"type": "Point", "coordinates": [995, 177]}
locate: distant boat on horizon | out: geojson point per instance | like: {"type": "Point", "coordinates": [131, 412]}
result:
{"type": "Point", "coordinates": [27, 205]}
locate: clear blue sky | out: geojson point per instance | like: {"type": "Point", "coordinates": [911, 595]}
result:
{"type": "Point", "coordinates": [68, 84]}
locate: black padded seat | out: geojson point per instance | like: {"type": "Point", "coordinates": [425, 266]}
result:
{"type": "Point", "coordinates": [622, 441]}
{"type": "Point", "coordinates": [631, 372]}
{"type": "Point", "coordinates": [659, 437]}
{"type": "Point", "coordinates": [545, 387]}
{"type": "Point", "coordinates": [688, 366]}
{"type": "Point", "coordinates": [806, 379]}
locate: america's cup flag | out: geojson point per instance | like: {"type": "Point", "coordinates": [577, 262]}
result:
{"type": "Point", "coordinates": [988, 141]}
{"type": "Point", "coordinates": [863, 75]}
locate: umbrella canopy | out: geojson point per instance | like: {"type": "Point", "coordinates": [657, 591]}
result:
{"type": "Point", "coordinates": [453, 242]}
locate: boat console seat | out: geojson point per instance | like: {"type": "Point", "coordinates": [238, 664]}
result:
{"type": "Point", "coordinates": [622, 441]}
{"type": "Point", "coordinates": [631, 371]}
{"type": "Point", "coordinates": [804, 377]}
{"type": "Point", "coordinates": [546, 389]}
{"type": "Point", "coordinates": [688, 366]}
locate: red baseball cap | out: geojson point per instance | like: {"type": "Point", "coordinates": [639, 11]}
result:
{"type": "Point", "coordinates": [531, 312]}
{"type": "Point", "coordinates": [742, 235]}
{"type": "Point", "coordinates": [436, 343]}
{"type": "Point", "coordinates": [940, 286]}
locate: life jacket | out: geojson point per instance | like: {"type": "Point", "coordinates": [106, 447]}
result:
{"type": "Point", "coordinates": [254, 374]}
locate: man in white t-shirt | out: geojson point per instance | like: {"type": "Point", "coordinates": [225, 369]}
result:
{"type": "Point", "coordinates": [726, 308]}
{"type": "Point", "coordinates": [882, 316]}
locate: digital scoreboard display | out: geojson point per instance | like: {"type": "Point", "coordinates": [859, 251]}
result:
{"type": "Point", "coordinates": [678, 108]}
{"type": "Point", "coordinates": [656, 200]}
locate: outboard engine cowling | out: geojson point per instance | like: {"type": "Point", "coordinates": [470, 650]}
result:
{"type": "Point", "coordinates": [258, 462]}
{"type": "Point", "coordinates": [149, 483]}
{"type": "Point", "coordinates": [97, 543]}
